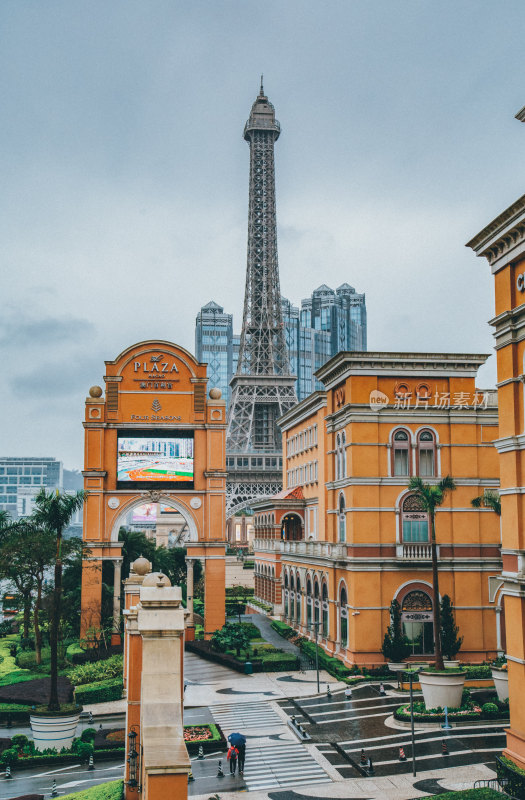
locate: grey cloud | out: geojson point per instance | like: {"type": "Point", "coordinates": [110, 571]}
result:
{"type": "Point", "coordinates": [16, 332]}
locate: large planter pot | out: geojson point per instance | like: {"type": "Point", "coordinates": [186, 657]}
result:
{"type": "Point", "coordinates": [501, 682]}
{"type": "Point", "coordinates": [451, 664]}
{"type": "Point", "coordinates": [54, 730]}
{"type": "Point", "coordinates": [440, 689]}
{"type": "Point", "coordinates": [396, 667]}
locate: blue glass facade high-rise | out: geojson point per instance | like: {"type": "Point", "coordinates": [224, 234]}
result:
{"type": "Point", "coordinates": [327, 322]}
{"type": "Point", "coordinates": [214, 345]}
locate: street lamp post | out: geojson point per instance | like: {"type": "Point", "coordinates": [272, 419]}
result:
{"type": "Point", "coordinates": [315, 625]}
{"type": "Point", "coordinates": [410, 677]}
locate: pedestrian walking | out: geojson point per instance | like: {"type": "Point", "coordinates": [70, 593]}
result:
{"type": "Point", "coordinates": [238, 741]}
{"type": "Point", "coordinates": [348, 692]}
{"type": "Point", "coordinates": [242, 756]}
{"type": "Point", "coordinates": [231, 756]}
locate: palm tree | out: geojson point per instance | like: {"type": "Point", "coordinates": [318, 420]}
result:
{"type": "Point", "coordinates": [489, 499]}
{"type": "Point", "coordinates": [54, 511]}
{"type": "Point", "coordinates": [431, 497]}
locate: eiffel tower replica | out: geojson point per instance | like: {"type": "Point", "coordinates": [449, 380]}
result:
{"type": "Point", "coordinates": [263, 387]}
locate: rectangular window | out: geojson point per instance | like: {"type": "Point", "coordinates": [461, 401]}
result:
{"type": "Point", "coordinates": [415, 530]}
{"type": "Point", "coordinates": [400, 462]}
{"type": "Point", "coordinates": [426, 462]}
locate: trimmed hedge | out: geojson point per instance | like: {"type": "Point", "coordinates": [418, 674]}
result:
{"type": "Point", "coordinates": [104, 791]}
{"type": "Point", "coordinates": [96, 671]}
{"type": "Point", "coordinates": [99, 691]}
{"type": "Point", "coordinates": [280, 662]}
{"type": "Point", "coordinates": [332, 665]}
{"type": "Point", "coordinates": [282, 629]}
{"type": "Point", "coordinates": [217, 742]}
{"type": "Point", "coordinates": [65, 758]}
{"type": "Point", "coordinates": [477, 671]}
{"type": "Point", "coordinates": [11, 712]}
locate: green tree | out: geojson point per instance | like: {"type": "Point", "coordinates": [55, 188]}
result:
{"type": "Point", "coordinates": [395, 645]}
{"type": "Point", "coordinates": [489, 499]}
{"type": "Point", "coordinates": [432, 496]}
{"type": "Point", "coordinates": [54, 511]}
{"type": "Point", "coordinates": [172, 562]}
{"type": "Point", "coordinates": [13, 564]}
{"type": "Point", "coordinates": [450, 641]}
{"type": "Point", "coordinates": [231, 637]}
{"type": "Point", "coordinates": [238, 600]}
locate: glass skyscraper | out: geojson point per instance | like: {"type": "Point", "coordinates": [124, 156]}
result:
{"type": "Point", "coordinates": [327, 322]}
{"type": "Point", "coordinates": [214, 345]}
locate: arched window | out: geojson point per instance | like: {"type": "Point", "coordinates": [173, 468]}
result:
{"type": "Point", "coordinates": [298, 598]}
{"type": "Point", "coordinates": [340, 456]}
{"type": "Point", "coordinates": [401, 453]}
{"type": "Point", "coordinates": [341, 517]}
{"type": "Point", "coordinates": [426, 454]}
{"type": "Point", "coordinates": [325, 609]}
{"type": "Point", "coordinates": [308, 603]}
{"type": "Point", "coordinates": [417, 617]}
{"type": "Point", "coordinates": [317, 604]}
{"type": "Point", "coordinates": [343, 616]}
{"type": "Point", "coordinates": [414, 520]}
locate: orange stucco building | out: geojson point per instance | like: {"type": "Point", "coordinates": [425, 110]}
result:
{"type": "Point", "coordinates": [502, 243]}
{"type": "Point", "coordinates": [345, 536]}
{"type": "Point", "coordinates": [156, 436]}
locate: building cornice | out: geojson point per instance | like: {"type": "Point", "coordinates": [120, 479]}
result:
{"type": "Point", "coordinates": [305, 408]}
{"type": "Point", "coordinates": [440, 365]}
{"type": "Point", "coordinates": [503, 239]}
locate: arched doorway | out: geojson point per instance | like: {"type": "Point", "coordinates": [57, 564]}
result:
{"type": "Point", "coordinates": [417, 618]}
{"type": "Point", "coordinates": [291, 527]}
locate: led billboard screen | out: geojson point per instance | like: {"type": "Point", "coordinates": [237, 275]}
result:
{"type": "Point", "coordinates": [147, 459]}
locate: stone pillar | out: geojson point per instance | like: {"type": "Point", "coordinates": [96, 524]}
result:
{"type": "Point", "coordinates": [115, 635]}
{"type": "Point", "coordinates": [190, 623]}
{"type": "Point", "coordinates": [132, 585]}
{"type": "Point", "coordinates": [164, 763]}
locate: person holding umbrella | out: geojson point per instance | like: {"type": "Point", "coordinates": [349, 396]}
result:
{"type": "Point", "coordinates": [239, 742]}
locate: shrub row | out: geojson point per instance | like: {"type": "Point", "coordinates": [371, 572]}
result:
{"type": "Point", "coordinates": [270, 662]}
{"type": "Point", "coordinates": [282, 628]}
{"type": "Point", "coordinates": [99, 691]}
{"type": "Point", "coordinates": [104, 791]}
{"type": "Point", "coordinates": [259, 604]}
{"type": "Point", "coordinates": [14, 712]}
{"type": "Point", "coordinates": [231, 591]}
{"type": "Point", "coordinates": [96, 671]}
{"type": "Point", "coordinates": [65, 758]}
{"type": "Point", "coordinates": [332, 665]}
{"type": "Point", "coordinates": [217, 742]}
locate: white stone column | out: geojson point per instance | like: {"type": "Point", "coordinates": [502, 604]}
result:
{"type": "Point", "coordinates": [189, 592]}
{"type": "Point", "coordinates": [498, 630]}
{"type": "Point", "coordinates": [117, 564]}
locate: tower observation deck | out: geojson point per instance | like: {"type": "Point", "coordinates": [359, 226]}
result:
{"type": "Point", "coordinates": [263, 387]}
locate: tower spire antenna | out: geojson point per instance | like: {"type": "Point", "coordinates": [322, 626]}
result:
{"type": "Point", "coordinates": [262, 89]}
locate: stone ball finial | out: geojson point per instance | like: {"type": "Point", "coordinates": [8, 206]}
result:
{"type": "Point", "coordinates": [141, 566]}
{"type": "Point", "coordinates": [156, 579]}
{"type": "Point", "coordinates": [215, 394]}
{"type": "Point", "coordinates": [95, 391]}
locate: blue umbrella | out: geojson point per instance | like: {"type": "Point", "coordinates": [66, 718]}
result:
{"type": "Point", "coordinates": [237, 739]}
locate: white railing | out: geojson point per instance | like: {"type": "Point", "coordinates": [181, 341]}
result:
{"type": "Point", "coordinates": [302, 548]}
{"type": "Point", "coordinates": [417, 551]}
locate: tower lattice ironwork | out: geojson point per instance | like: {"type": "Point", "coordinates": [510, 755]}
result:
{"type": "Point", "coordinates": [263, 387]}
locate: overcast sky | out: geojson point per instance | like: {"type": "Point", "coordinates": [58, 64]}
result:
{"type": "Point", "coordinates": [125, 176]}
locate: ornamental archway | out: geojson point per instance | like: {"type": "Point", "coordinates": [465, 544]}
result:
{"type": "Point", "coordinates": [154, 438]}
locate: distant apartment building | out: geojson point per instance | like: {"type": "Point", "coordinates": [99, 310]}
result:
{"type": "Point", "coordinates": [326, 323]}
{"type": "Point", "coordinates": [22, 478]}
